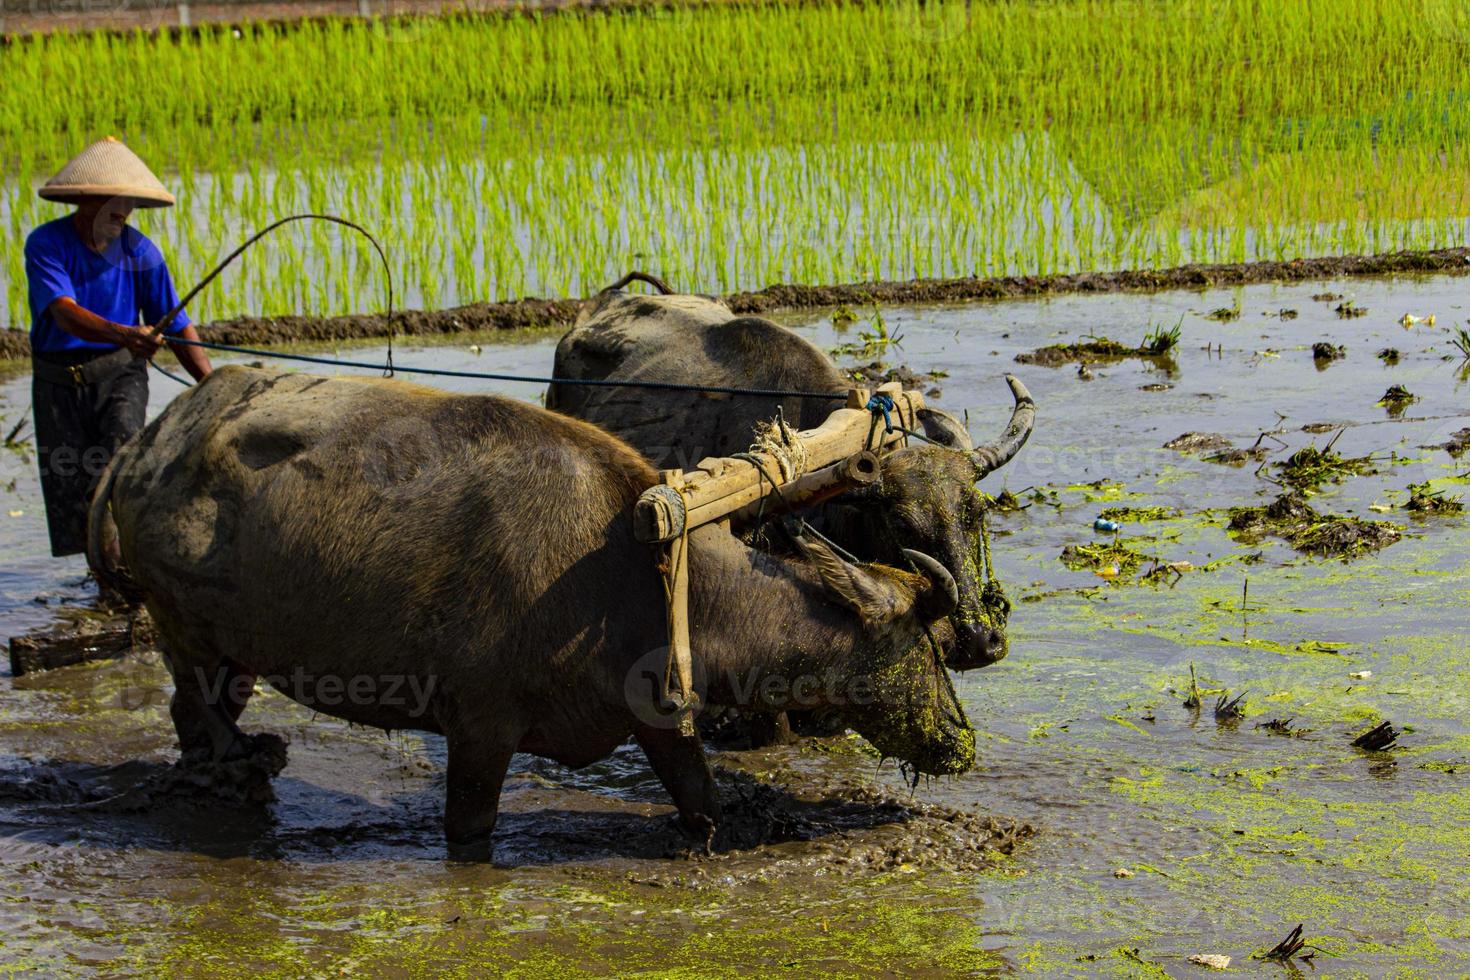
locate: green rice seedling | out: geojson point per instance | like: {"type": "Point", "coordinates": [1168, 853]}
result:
{"type": "Point", "coordinates": [1461, 340]}
{"type": "Point", "coordinates": [1160, 339]}
{"type": "Point", "coordinates": [733, 145]}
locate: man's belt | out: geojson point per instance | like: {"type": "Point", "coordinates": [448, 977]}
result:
{"type": "Point", "coordinates": [97, 370]}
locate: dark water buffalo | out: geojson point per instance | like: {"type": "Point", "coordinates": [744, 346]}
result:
{"type": "Point", "coordinates": [409, 559]}
{"type": "Point", "coordinates": [926, 499]}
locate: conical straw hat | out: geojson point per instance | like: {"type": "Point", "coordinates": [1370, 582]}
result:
{"type": "Point", "coordinates": [107, 168]}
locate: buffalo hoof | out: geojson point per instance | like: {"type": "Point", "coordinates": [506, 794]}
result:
{"type": "Point", "coordinates": [473, 850]}
{"type": "Point", "coordinates": [700, 829]}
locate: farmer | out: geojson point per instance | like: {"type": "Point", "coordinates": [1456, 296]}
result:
{"type": "Point", "coordinates": [91, 278]}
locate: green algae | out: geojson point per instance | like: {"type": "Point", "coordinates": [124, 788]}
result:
{"type": "Point", "coordinates": [493, 928]}
{"type": "Point", "coordinates": [1140, 514]}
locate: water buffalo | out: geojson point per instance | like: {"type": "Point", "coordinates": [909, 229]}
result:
{"type": "Point", "coordinates": [410, 559]}
{"type": "Point", "coordinates": [926, 498]}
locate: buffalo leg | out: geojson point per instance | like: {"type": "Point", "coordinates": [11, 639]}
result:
{"type": "Point", "coordinates": [204, 709]}
{"type": "Point", "coordinates": [476, 772]}
{"type": "Point", "coordinates": [680, 764]}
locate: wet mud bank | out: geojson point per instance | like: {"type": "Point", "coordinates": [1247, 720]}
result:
{"type": "Point", "coordinates": [547, 313]}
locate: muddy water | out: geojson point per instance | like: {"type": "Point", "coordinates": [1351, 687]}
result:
{"type": "Point", "coordinates": [1230, 835]}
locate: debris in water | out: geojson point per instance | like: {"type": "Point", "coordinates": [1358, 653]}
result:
{"type": "Point", "coordinates": [1289, 517]}
{"type": "Point", "coordinates": [1457, 444]}
{"type": "Point", "coordinates": [1423, 500]}
{"type": "Point", "coordinates": [1238, 457]}
{"type": "Point", "coordinates": [1396, 399]}
{"type": "Point", "coordinates": [1215, 961]}
{"type": "Point", "coordinates": [1106, 526]}
{"type": "Point", "coordinates": [1389, 355]}
{"type": "Point", "coordinates": [1323, 351]}
{"type": "Point", "coordinates": [1122, 873]}
{"type": "Point", "coordinates": [1225, 314]}
{"type": "Point", "coordinates": [1287, 314]}
{"type": "Point", "coordinates": [1109, 559]}
{"type": "Point", "coordinates": [1085, 373]}
{"type": "Point", "coordinates": [1282, 726]}
{"type": "Point", "coordinates": [1378, 739]}
{"type": "Point", "coordinates": [1409, 319]}
{"type": "Point", "coordinates": [1192, 701]}
{"type": "Point", "coordinates": [1193, 442]}
{"type": "Point", "coordinates": [1326, 297]}
{"type": "Point", "coordinates": [1309, 467]}
{"type": "Point", "coordinates": [1005, 502]}
{"type": "Point", "coordinates": [1348, 310]}
{"type": "Point", "coordinates": [1227, 709]}
{"type": "Point", "coordinates": [1361, 675]}
{"type": "Point", "coordinates": [1092, 349]}
{"type": "Point", "coordinates": [1288, 948]}
{"type": "Point", "coordinates": [878, 373]}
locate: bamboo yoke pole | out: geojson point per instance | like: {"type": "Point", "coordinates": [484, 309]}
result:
{"type": "Point", "coordinates": [841, 453]}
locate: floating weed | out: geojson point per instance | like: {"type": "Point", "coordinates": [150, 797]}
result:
{"type": "Point", "coordinates": [1324, 351]}
{"type": "Point", "coordinates": [1225, 314]}
{"type": "Point", "coordinates": [1329, 535]}
{"type": "Point", "coordinates": [1389, 355]}
{"type": "Point", "coordinates": [1309, 467]}
{"type": "Point", "coordinates": [1425, 500]}
{"type": "Point", "coordinates": [1348, 310]}
{"type": "Point", "coordinates": [1109, 560]}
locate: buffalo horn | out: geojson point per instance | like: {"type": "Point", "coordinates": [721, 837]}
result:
{"type": "Point", "coordinates": [993, 455]}
{"type": "Point", "coordinates": [942, 597]}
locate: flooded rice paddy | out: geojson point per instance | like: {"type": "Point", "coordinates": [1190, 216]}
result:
{"type": "Point", "coordinates": [1160, 831]}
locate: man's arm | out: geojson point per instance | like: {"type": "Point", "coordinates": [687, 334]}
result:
{"type": "Point", "coordinates": [158, 300]}
{"type": "Point", "coordinates": [80, 322]}
{"type": "Point", "coordinates": [195, 361]}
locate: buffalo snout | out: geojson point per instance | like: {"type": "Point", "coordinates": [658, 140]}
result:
{"type": "Point", "coordinates": [976, 645]}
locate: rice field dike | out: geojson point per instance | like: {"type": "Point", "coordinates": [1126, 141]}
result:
{"type": "Point", "coordinates": [735, 146]}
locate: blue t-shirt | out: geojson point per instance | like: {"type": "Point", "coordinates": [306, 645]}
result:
{"type": "Point", "coordinates": [129, 278]}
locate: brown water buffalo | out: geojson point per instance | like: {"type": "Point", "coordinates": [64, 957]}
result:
{"type": "Point", "coordinates": [406, 558]}
{"type": "Point", "coordinates": [926, 499]}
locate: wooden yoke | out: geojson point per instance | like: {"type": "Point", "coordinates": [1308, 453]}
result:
{"type": "Point", "coordinates": [841, 453]}
{"type": "Point", "coordinates": [719, 488]}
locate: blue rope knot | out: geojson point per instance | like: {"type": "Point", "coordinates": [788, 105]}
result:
{"type": "Point", "coordinates": [882, 404]}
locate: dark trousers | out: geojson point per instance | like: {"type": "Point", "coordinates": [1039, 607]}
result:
{"type": "Point", "coordinates": [78, 428]}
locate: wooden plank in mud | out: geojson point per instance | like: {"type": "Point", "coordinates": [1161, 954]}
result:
{"type": "Point", "coordinates": [48, 649]}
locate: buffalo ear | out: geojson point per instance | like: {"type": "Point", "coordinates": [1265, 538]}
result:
{"type": "Point", "coordinates": [946, 430]}
{"type": "Point", "coordinates": [875, 598]}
